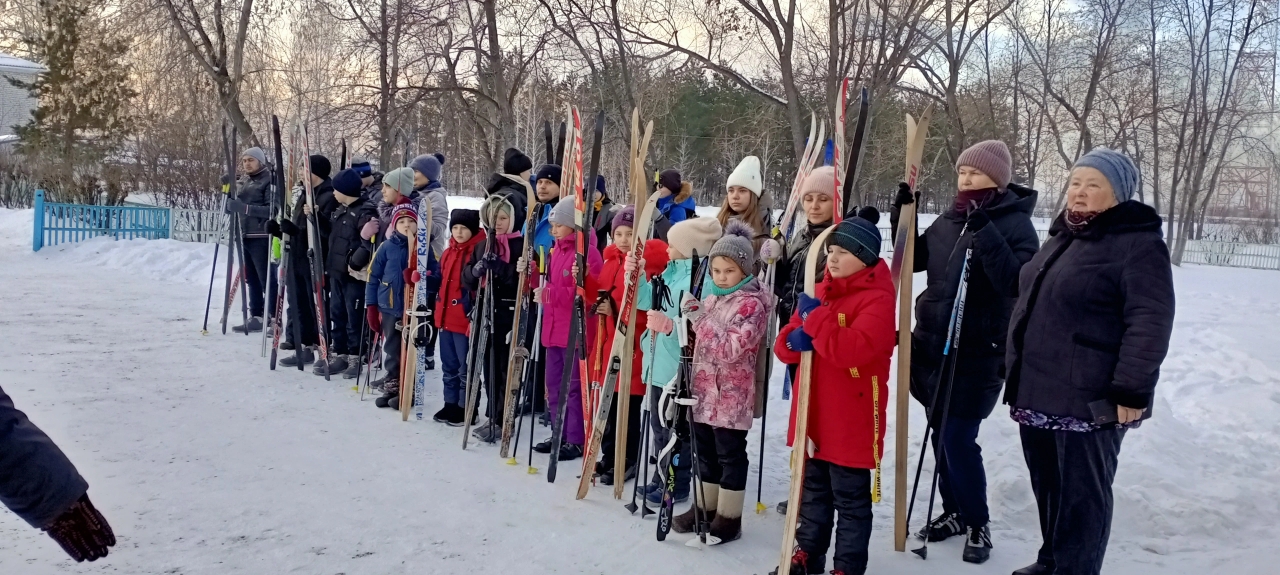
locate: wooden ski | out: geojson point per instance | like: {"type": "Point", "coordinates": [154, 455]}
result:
{"type": "Point", "coordinates": [408, 361]}
{"type": "Point", "coordinates": [837, 156]}
{"type": "Point", "coordinates": [519, 353]}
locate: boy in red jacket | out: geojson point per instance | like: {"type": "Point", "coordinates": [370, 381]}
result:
{"type": "Point", "coordinates": [849, 328]}
{"type": "Point", "coordinates": [453, 302]}
{"type": "Point", "coordinates": [613, 277]}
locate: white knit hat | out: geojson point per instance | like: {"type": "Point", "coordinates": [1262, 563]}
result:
{"type": "Point", "coordinates": [694, 235]}
{"type": "Point", "coordinates": [747, 175]}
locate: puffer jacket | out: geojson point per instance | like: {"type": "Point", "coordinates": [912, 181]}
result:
{"type": "Point", "coordinates": [728, 337]}
{"type": "Point", "coordinates": [663, 365]}
{"type": "Point", "coordinates": [454, 301]}
{"type": "Point", "coordinates": [386, 275]}
{"type": "Point", "coordinates": [854, 332]}
{"type": "Point", "coordinates": [345, 225]}
{"type": "Point", "coordinates": [788, 278]}
{"type": "Point", "coordinates": [679, 206]}
{"type": "Point", "coordinates": [37, 481]}
{"type": "Point", "coordinates": [561, 288]}
{"type": "Point", "coordinates": [613, 277]}
{"type": "Point", "coordinates": [254, 191]}
{"type": "Point", "coordinates": [435, 193]}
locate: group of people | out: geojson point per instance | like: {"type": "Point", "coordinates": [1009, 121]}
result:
{"type": "Point", "coordinates": [1074, 330]}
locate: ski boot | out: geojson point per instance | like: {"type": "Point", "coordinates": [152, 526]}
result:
{"type": "Point", "coordinates": [353, 371]}
{"type": "Point", "coordinates": [569, 452]}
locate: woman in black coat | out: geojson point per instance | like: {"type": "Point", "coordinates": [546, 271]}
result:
{"type": "Point", "coordinates": [1089, 332]}
{"type": "Point", "coordinates": [994, 219]}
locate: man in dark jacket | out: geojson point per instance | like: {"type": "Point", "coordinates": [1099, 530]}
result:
{"type": "Point", "coordinates": [353, 222]}
{"type": "Point", "coordinates": [995, 222]}
{"type": "Point", "coordinates": [254, 206]}
{"type": "Point", "coordinates": [302, 304]}
{"type": "Point", "coordinates": [41, 485]}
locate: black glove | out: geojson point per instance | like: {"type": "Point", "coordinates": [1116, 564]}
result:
{"type": "Point", "coordinates": [273, 228]}
{"type": "Point", "coordinates": [82, 532]}
{"type": "Point", "coordinates": [288, 227]}
{"type": "Point", "coordinates": [904, 196]}
{"type": "Point", "coordinates": [978, 219]}
{"type": "Point", "coordinates": [235, 206]}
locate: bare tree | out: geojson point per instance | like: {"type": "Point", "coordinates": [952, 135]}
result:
{"type": "Point", "coordinates": [215, 33]}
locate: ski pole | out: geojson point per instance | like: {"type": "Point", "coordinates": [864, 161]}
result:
{"type": "Point", "coordinates": [208, 302]}
{"type": "Point", "coordinates": [764, 418]}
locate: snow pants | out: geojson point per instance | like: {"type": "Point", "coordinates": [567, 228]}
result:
{"type": "Point", "coordinates": [302, 301]}
{"type": "Point", "coordinates": [722, 456]}
{"type": "Point", "coordinates": [831, 490]}
{"type": "Point", "coordinates": [609, 446]}
{"type": "Point", "coordinates": [453, 361]}
{"type": "Point", "coordinates": [255, 272]}
{"type": "Point", "coordinates": [962, 481]}
{"type": "Point", "coordinates": [573, 427]}
{"type": "Point", "coordinates": [1071, 475]}
{"type": "Point", "coordinates": [391, 336]}
{"type": "Point", "coordinates": [346, 314]}
{"type": "Point", "coordinates": [496, 358]}
{"type": "Point", "coordinates": [662, 435]}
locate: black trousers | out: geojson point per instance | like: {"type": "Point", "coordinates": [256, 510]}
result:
{"type": "Point", "coordinates": [303, 314]}
{"type": "Point", "coordinates": [722, 456]}
{"type": "Point", "coordinates": [610, 444]}
{"type": "Point", "coordinates": [495, 360]}
{"type": "Point", "coordinates": [831, 490]}
{"type": "Point", "coordinates": [1071, 475]}
{"type": "Point", "coordinates": [962, 480]}
{"type": "Point", "coordinates": [256, 259]}
{"type": "Point", "coordinates": [346, 314]}
{"type": "Point", "coordinates": [391, 335]}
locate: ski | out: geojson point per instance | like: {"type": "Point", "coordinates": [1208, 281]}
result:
{"type": "Point", "coordinates": [853, 163]}
{"type": "Point", "coordinates": [228, 188]}
{"type": "Point", "coordinates": [481, 324]}
{"type": "Point", "coordinates": [812, 151]}
{"type": "Point", "coordinates": [280, 246]}
{"type": "Point", "coordinates": [903, 265]}
{"type": "Point", "coordinates": [420, 260]}
{"type": "Point", "coordinates": [408, 361]}
{"type": "Point", "coordinates": [837, 149]}
{"type": "Point", "coordinates": [520, 320]}
{"type": "Point", "coordinates": [315, 253]}
{"type": "Point", "coordinates": [669, 458]}
{"type": "Point", "coordinates": [800, 442]}
{"type": "Point", "coordinates": [423, 330]}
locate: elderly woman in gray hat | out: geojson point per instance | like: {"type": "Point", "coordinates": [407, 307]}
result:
{"type": "Point", "coordinates": [1088, 334]}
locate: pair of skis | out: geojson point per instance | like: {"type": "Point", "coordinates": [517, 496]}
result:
{"type": "Point", "coordinates": [415, 314]}
{"type": "Point", "coordinates": [285, 286]}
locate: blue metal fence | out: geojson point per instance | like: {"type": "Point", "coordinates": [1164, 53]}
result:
{"type": "Point", "coordinates": [57, 223]}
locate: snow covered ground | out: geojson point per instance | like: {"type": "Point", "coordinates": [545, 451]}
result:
{"type": "Point", "coordinates": [206, 462]}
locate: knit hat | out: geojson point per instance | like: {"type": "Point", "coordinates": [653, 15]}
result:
{"type": "Point", "coordinates": [405, 210]}
{"type": "Point", "coordinates": [626, 217]}
{"type": "Point", "coordinates": [469, 218]}
{"type": "Point", "coordinates": [494, 204]}
{"type": "Point", "coordinates": [747, 175]}
{"type": "Point", "coordinates": [860, 236]}
{"type": "Point", "coordinates": [600, 184]}
{"type": "Point", "coordinates": [990, 157]}
{"type": "Point", "coordinates": [670, 179]}
{"type": "Point", "coordinates": [562, 213]}
{"type": "Point", "coordinates": [821, 180]}
{"type": "Point", "coordinates": [548, 172]}
{"type": "Point", "coordinates": [361, 165]}
{"type": "Point", "coordinates": [697, 234]}
{"type": "Point", "coordinates": [257, 154]}
{"type": "Point", "coordinates": [1117, 167]}
{"type": "Point", "coordinates": [515, 162]}
{"type": "Point", "coordinates": [428, 165]}
{"type": "Point", "coordinates": [347, 182]}
{"type": "Point", "coordinates": [320, 166]}
{"type": "Point", "coordinates": [735, 245]}
{"type": "Point", "coordinates": [401, 179]}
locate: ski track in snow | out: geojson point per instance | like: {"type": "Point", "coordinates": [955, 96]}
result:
{"type": "Point", "coordinates": [206, 462]}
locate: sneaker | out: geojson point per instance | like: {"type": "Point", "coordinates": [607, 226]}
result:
{"type": "Point", "coordinates": [977, 545]}
{"type": "Point", "coordinates": [651, 487]}
{"type": "Point", "coordinates": [308, 356]}
{"type": "Point", "coordinates": [801, 564]}
{"type": "Point", "coordinates": [606, 478]}
{"type": "Point", "coordinates": [490, 432]}
{"type": "Point", "coordinates": [782, 507]}
{"type": "Point", "coordinates": [286, 345]}
{"type": "Point", "coordinates": [569, 452]}
{"type": "Point", "coordinates": [254, 325]}
{"type": "Point", "coordinates": [544, 447]}
{"type": "Point", "coordinates": [337, 364]}
{"type": "Point", "coordinates": [946, 526]}
{"type": "Point", "coordinates": [656, 496]}
{"type": "Point", "coordinates": [354, 369]}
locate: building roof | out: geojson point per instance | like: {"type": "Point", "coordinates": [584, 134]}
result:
{"type": "Point", "coordinates": [14, 65]}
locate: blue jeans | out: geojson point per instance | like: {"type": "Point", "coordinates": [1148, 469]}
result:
{"type": "Point", "coordinates": [962, 481]}
{"type": "Point", "coordinates": [453, 359]}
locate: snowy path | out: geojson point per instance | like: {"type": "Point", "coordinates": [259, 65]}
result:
{"type": "Point", "coordinates": [205, 462]}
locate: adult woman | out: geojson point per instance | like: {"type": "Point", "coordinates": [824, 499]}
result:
{"type": "Point", "coordinates": [995, 221]}
{"type": "Point", "coordinates": [1089, 332]}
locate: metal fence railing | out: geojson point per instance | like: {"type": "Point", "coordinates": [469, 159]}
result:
{"type": "Point", "coordinates": [1230, 254]}
{"type": "Point", "coordinates": [57, 223]}
{"type": "Point", "coordinates": [207, 226]}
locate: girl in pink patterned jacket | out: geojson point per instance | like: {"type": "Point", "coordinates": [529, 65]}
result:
{"type": "Point", "coordinates": [728, 331]}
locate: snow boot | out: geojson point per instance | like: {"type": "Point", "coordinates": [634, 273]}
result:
{"type": "Point", "coordinates": [803, 564]}
{"type": "Point", "coordinates": [254, 325]}
{"type": "Point", "coordinates": [385, 399]}
{"type": "Point", "coordinates": [946, 526]}
{"type": "Point", "coordinates": [442, 416]}
{"type": "Point", "coordinates": [337, 364]}
{"type": "Point", "coordinates": [681, 494]}
{"type": "Point", "coordinates": [394, 402]}
{"type": "Point", "coordinates": [1034, 569]}
{"type": "Point", "coordinates": [705, 505]}
{"type": "Point", "coordinates": [782, 507]}
{"type": "Point", "coordinates": [307, 354]}
{"type": "Point", "coordinates": [569, 452]}
{"type": "Point", "coordinates": [353, 371]}
{"type": "Point", "coordinates": [544, 447]}
{"type": "Point", "coordinates": [490, 432]}
{"type": "Point", "coordinates": [607, 478]}
{"type": "Point", "coordinates": [286, 345]}
{"type": "Point", "coordinates": [977, 545]}
{"type": "Point", "coordinates": [726, 524]}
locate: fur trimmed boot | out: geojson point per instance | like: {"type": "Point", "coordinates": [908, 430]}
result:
{"type": "Point", "coordinates": [707, 497]}
{"type": "Point", "coordinates": [727, 524]}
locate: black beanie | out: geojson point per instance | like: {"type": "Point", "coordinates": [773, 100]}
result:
{"type": "Point", "coordinates": [670, 179]}
{"type": "Point", "coordinates": [548, 172]}
{"type": "Point", "coordinates": [469, 218]}
{"type": "Point", "coordinates": [320, 166]}
{"type": "Point", "coordinates": [347, 182]}
{"type": "Point", "coordinates": [515, 162]}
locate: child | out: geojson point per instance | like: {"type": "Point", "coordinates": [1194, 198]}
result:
{"type": "Point", "coordinates": [685, 238]}
{"type": "Point", "coordinates": [451, 314]}
{"type": "Point", "coordinates": [497, 262]}
{"type": "Point", "coordinates": [850, 328]}
{"type": "Point", "coordinates": [728, 330]}
{"type": "Point", "coordinates": [346, 293]}
{"type": "Point", "coordinates": [613, 277]}
{"type": "Point", "coordinates": [384, 296]}
{"type": "Point", "coordinates": [557, 298]}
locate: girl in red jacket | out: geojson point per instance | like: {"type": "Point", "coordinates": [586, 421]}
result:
{"type": "Point", "coordinates": [453, 303]}
{"type": "Point", "coordinates": [613, 277]}
{"type": "Point", "coordinates": [849, 327]}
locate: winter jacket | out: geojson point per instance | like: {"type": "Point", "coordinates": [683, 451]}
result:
{"type": "Point", "coordinates": [435, 193]}
{"type": "Point", "coordinates": [854, 332]}
{"type": "Point", "coordinates": [603, 220]}
{"type": "Point", "coordinates": [561, 288]}
{"type": "Point", "coordinates": [454, 301]}
{"type": "Point", "coordinates": [788, 277]}
{"type": "Point", "coordinates": [999, 250]}
{"type": "Point", "coordinates": [506, 279]}
{"type": "Point", "coordinates": [1093, 316]}
{"type": "Point", "coordinates": [386, 275]}
{"type": "Point", "coordinates": [662, 367]}
{"type": "Point", "coordinates": [729, 334]}
{"type": "Point", "coordinates": [613, 277]}
{"type": "Point", "coordinates": [385, 210]}
{"type": "Point", "coordinates": [37, 482]}
{"type": "Point", "coordinates": [543, 241]}
{"type": "Point", "coordinates": [346, 222]}
{"type": "Point", "coordinates": [678, 207]}
{"type": "Point", "coordinates": [254, 191]}
{"type": "Point", "coordinates": [372, 193]}
{"type": "Point", "coordinates": [325, 205]}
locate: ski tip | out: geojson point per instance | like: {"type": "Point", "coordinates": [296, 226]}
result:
{"type": "Point", "coordinates": [511, 461]}
{"type": "Point", "coordinates": [761, 508]}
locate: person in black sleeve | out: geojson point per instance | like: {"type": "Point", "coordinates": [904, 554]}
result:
{"type": "Point", "coordinates": [304, 313]}
{"type": "Point", "coordinates": [353, 222]}
{"type": "Point", "coordinates": [252, 205]}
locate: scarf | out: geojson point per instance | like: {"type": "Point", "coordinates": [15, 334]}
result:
{"type": "Point", "coordinates": [721, 292]}
{"type": "Point", "coordinates": [504, 250]}
{"type": "Point", "coordinates": [980, 197]}
{"type": "Point", "coordinates": [1078, 221]}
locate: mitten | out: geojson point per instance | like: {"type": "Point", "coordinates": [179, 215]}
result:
{"type": "Point", "coordinates": [770, 250]}
{"type": "Point", "coordinates": [273, 228]}
{"type": "Point", "coordinates": [659, 322]}
{"type": "Point", "coordinates": [410, 276]}
{"type": "Point", "coordinates": [690, 308]}
{"type": "Point", "coordinates": [904, 196]}
{"type": "Point", "coordinates": [374, 318]}
{"type": "Point", "coordinates": [369, 230]}
{"type": "Point", "coordinates": [287, 227]}
{"type": "Point", "coordinates": [82, 531]}
{"type": "Point", "coordinates": [978, 219]}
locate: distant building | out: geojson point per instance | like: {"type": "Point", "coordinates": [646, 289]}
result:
{"type": "Point", "coordinates": [15, 103]}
